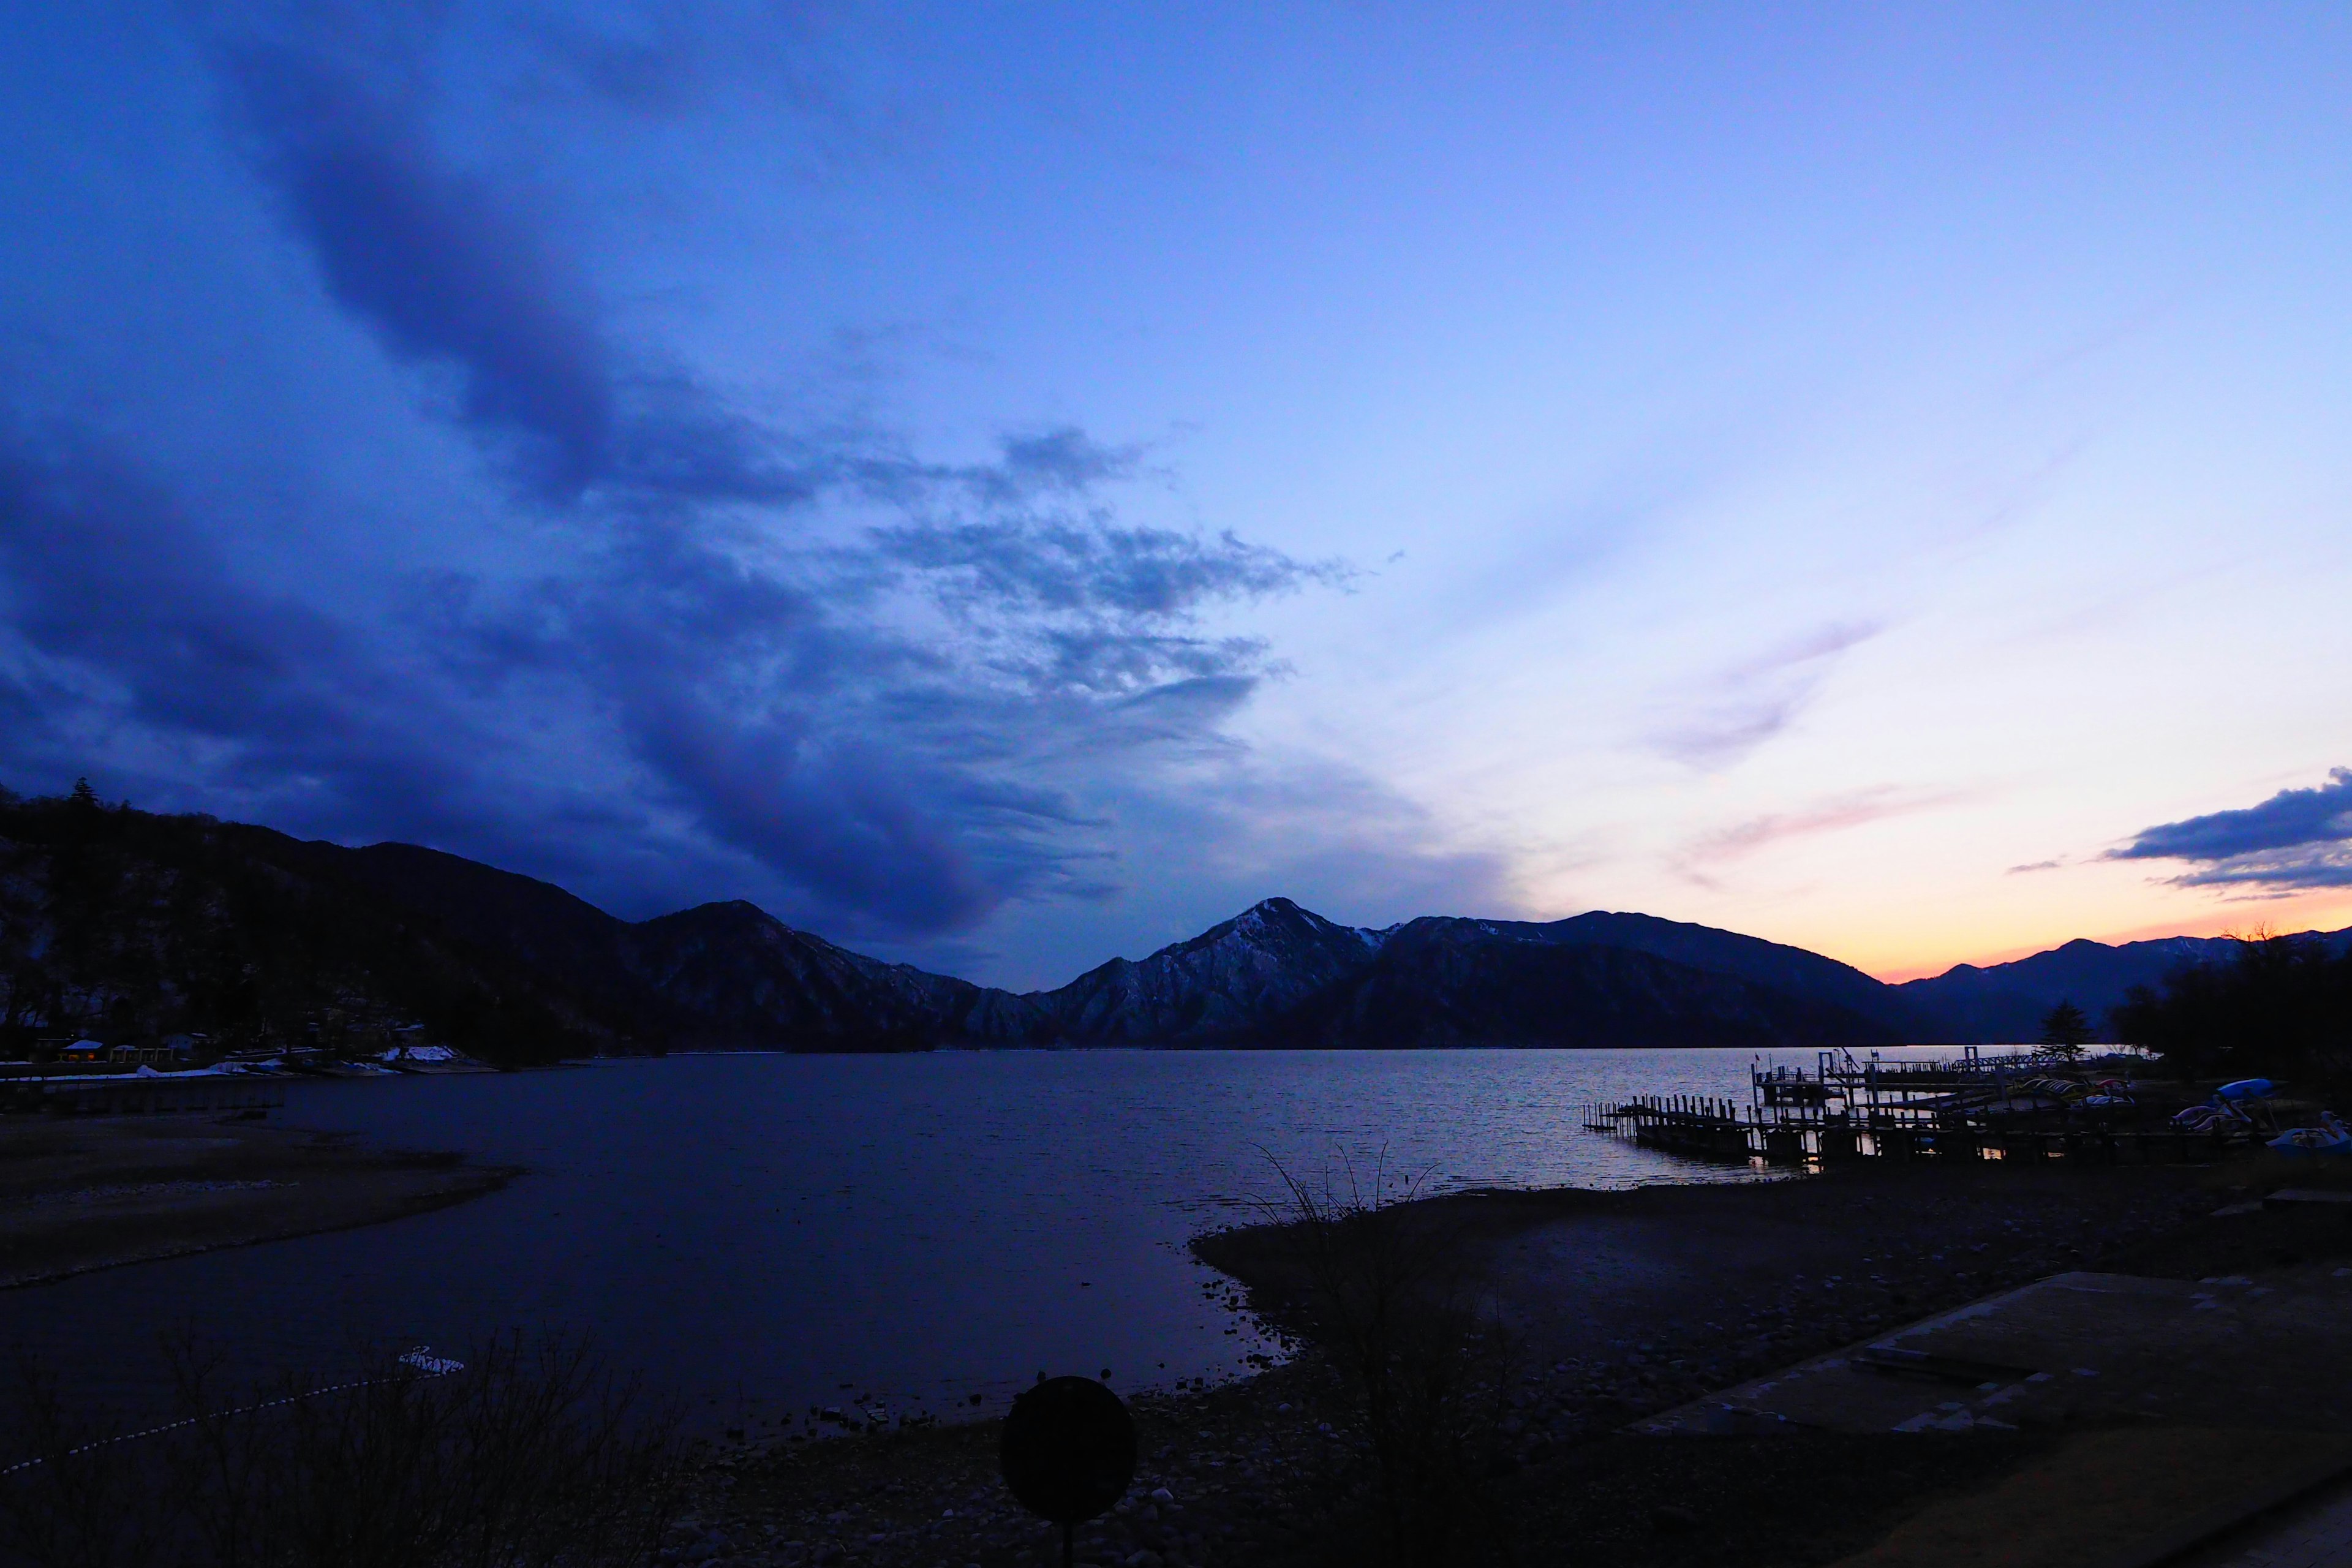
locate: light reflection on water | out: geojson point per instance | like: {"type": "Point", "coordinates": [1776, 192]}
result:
{"type": "Point", "coordinates": [757, 1234]}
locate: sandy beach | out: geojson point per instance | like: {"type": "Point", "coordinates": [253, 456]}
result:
{"type": "Point", "coordinates": [91, 1193]}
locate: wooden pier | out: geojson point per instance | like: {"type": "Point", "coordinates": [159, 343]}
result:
{"type": "Point", "coordinates": [1969, 1108]}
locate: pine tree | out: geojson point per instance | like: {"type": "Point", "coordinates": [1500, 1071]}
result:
{"type": "Point", "coordinates": [2065, 1029]}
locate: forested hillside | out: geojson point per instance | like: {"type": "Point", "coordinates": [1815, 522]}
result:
{"type": "Point", "coordinates": [127, 925]}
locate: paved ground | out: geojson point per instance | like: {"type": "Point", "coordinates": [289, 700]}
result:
{"type": "Point", "coordinates": [2077, 1348]}
{"type": "Point", "coordinates": [2316, 1533]}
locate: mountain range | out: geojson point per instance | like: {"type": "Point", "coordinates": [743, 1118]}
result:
{"type": "Point", "coordinates": [2006, 1001]}
{"type": "Point", "coordinates": [113, 918]}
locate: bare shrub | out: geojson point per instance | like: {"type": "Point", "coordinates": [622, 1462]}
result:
{"type": "Point", "coordinates": [66, 1499]}
{"type": "Point", "coordinates": [533, 1455]}
{"type": "Point", "coordinates": [1391, 1297]}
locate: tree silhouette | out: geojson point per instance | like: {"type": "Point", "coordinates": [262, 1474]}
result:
{"type": "Point", "coordinates": [128, 925]}
{"type": "Point", "coordinates": [2279, 1005]}
{"type": "Point", "coordinates": [2065, 1029]}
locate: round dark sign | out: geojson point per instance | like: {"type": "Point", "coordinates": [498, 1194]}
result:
{"type": "Point", "coordinates": [1069, 1450]}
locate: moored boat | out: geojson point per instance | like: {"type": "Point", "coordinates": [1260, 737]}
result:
{"type": "Point", "coordinates": [2330, 1137]}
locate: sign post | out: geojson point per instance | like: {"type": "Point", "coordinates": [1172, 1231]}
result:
{"type": "Point", "coordinates": [1069, 1453]}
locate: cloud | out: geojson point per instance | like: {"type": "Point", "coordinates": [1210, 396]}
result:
{"type": "Point", "coordinates": [2292, 818]}
{"type": "Point", "coordinates": [890, 780]}
{"type": "Point", "coordinates": [674, 649]}
{"type": "Point", "coordinates": [1835, 815]}
{"type": "Point", "coordinates": [124, 618]}
{"type": "Point", "coordinates": [446, 273]}
{"type": "Point", "coordinates": [1061, 566]}
{"type": "Point", "coordinates": [2296, 838]}
{"type": "Point", "coordinates": [1746, 705]}
{"type": "Point", "coordinates": [2035, 866]}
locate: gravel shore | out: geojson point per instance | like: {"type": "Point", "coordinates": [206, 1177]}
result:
{"type": "Point", "coordinates": [1622, 1304]}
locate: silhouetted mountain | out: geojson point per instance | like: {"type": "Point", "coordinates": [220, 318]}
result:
{"type": "Point", "coordinates": [125, 922]}
{"type": "Point", "coordinates": [126, 926]}
{"type": "Point", "coordinates": [1439, 982]}
{"type": "Point", "coordinates": [1234, 981]}
{"type": "Point", "coordinates": [2005, 1003]}
{"type": "Point", "coordinates": [1277, 974]}
{"type": "Point", "coordinates": [747, 978]}
{"type": "Point", "coordinates": [565, 938]}
{"type": "Point", "coordinates": [1792, 971]}
{"type": "Point", "coordinates": [714, 976]}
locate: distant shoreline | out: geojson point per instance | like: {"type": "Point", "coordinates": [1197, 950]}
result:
{"type": "Point", "coordinates": [79, 1195]}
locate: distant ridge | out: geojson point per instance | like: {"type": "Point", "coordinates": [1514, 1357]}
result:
{"type": "Point", "coordinates": [157, 922]}
{"type": "Point", "coordinates": [1439, 982]}
{"type": "Point", "coordinates": [2005, 1002]}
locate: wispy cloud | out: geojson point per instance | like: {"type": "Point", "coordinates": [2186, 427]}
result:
{"type": "Point", "coordinates": [2298, 838]}
{"type": "Point", "coordinates": [1836, 814]}
{"type": "Point", "coordinates": [1742, 707]}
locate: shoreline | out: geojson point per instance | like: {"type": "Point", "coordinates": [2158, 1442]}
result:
{"type": "Point", "coordinates": [1677, 1288]}
{"type": "Point", "coordinates": [1628, 1303]}
{"type": "Point", "coordinates": [84, 1194]}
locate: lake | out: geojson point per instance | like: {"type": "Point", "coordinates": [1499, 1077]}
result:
{"type": "Point", "coordinates": [760, 1232]}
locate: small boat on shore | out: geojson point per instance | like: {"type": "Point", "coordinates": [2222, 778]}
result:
{"type": "Point", "coordinates": [2330, 1137]}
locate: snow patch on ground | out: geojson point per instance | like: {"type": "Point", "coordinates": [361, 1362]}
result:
{"type": "Point", "coordinates": [421, 1054]}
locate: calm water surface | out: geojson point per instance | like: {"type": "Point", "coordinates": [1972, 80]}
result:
{"type": "Point", "coordinates": [760, 1232]}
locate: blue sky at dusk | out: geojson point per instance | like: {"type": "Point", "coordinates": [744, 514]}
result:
{"type": "Point", "coordinates": [1005, 485]}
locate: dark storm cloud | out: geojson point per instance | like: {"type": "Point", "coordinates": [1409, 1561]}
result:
{"type": "Point", "coordinates": [1063, 460]}
{"type": "Point", "coordinates": [660, 69]}
{"type": "Point", "coordinates": [879, 689]}
{"type": "Point", "coordinates": [900, 785]}
{"type": "Point", "coordinates": [446, 273]}
{"type": "Point", "coordinates": [135, 621]}
{"type": "Point", "coordinates": [845, 824]}
{"type": "Point", "coordinates": [892, 776]}
{"type": "Point", "coordinates": [427, 258]}
{"type": "Point", "coordinates": [1146, 668]}
{"type": "Point", "coordinates": [2298, 838]}
{"type": "Point", "coordinates": [792, 733]}
{"type": "Point", "coordinates": [652, 60]}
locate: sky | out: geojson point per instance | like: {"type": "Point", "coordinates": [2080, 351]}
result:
{"type": "Point", "coordinates": [1002, 487]}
